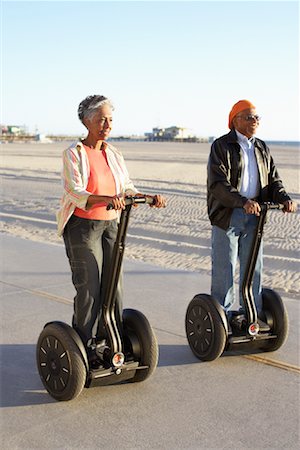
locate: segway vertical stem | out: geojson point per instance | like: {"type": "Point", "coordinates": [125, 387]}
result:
{"type": "Point", "coordinates": [110, 322]}
{"type": "Point", "coordinates": [247, 294]}
{"type": "Point", "coordinates": [251, 311]}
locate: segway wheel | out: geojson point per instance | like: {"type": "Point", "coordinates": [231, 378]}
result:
{"type": "Point", "coordinates": [204, 327]}
{"type": "Point", "coordinates": [60, 363]}
{"type": "Point", "coordinates": [277, 319]}
{"type": "Point", "coordinates": [142, 342]}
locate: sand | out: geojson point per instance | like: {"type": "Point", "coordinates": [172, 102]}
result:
{"type": "Point", "coordinates": [177, 237]}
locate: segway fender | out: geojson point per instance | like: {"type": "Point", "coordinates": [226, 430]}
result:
{"type": "Point", "coordinates": [220, 310]}
{"type": "Point", "coordinates": [76, 338]}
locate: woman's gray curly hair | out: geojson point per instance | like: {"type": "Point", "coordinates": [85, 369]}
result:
{"type": "Point", "coordinates": [89, 106]}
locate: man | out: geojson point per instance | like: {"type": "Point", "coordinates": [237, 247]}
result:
{"type": "Point", "coordinates": [241, 173]}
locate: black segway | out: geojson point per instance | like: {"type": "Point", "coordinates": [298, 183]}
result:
{"type": "Point", "coordinates": [127, 354]}
{"type": "Point", "coordinates": [210, 332]}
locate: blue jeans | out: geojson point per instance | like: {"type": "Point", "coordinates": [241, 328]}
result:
{"type": "Point", "coordinates": [227, 247]}
{"type": "Point", "coordinates": [89, 247]}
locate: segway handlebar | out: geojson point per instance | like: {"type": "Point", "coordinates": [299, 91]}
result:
{"type": "Point", "coordinates": [270, 205]}
{"type": "Point", "coordinates": [134, 200]}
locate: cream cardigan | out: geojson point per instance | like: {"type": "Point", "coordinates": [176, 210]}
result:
{"type": "Point", "coordinates": [75, 176]}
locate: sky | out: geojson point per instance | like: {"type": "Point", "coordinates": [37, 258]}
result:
{"type": "Point", "coordinates": [162, 63]}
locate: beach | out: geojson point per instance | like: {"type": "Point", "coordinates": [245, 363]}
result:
{"type": "Point", "coordinates": [167, 261]}
{"type": "Point", "coordinates": [177, 237]}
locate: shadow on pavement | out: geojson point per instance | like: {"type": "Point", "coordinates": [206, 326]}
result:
{"type": "Point", "coordinates": [21, 384]}
{"type": "Point", "coordinates": [176, 355]}
{"type": "Point", "coordinates": [20, 381]}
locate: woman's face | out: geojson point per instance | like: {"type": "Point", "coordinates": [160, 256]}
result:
{"type": "Point", "coordinates": [100, 124]}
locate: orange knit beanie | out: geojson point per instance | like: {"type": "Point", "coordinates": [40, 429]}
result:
{"type": "Point", "coordinates": [237, 108]}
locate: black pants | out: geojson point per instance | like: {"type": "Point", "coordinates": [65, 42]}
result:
{"type": "Point", "coordinates": [89, 247]}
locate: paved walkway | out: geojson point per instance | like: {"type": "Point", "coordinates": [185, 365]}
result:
{"type": "Point", "coordinates": [238, 401]}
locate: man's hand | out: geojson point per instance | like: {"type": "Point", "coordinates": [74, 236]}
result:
{"type": "Point", "coordinates": [252, 207]}
{"type": "Point", "coordinates": [289, 206]}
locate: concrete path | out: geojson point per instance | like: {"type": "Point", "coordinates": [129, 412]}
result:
{"type": "Point", "coordinates": [238, 401]}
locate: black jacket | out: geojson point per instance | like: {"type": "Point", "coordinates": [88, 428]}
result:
{"type": "Point", "coordinates": [224, 178]}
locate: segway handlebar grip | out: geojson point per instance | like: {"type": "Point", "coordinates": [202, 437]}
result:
{"type": "Point", "coordinates": [271, 205]}
{"type": "Point", "coordinates": [134, 200]}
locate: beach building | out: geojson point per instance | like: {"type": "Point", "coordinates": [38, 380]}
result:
{"type": "Point", "coordinates": [13, 130]}
{"type": "Point", "coordinates": [12, 133]}
{"type": "Point", "coordinates": [19, 133]}
{"type": "Point", "coordinates": [172, 133]}
{"type": "Point", "coordinates": [168, 134]}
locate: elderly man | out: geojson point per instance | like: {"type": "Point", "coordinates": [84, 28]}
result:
{"type": "Point", "coordinates": [241, 173]}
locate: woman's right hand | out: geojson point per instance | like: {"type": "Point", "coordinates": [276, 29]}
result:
{"type": "Point", "coordinates": [118, 201]}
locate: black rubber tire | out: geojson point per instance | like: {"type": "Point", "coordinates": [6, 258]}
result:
{"type": "Point", "coordinates": [204, 328]}
{"type": "Point", "coordinates": [143, 343]}
{"type": "Point", "coordinates": [277, 319]}
{"type": "Point", "coordinates": [60, 363]}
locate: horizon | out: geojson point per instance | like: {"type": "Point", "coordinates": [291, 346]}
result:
{"type": "Point", "coordinates": [133, 137]}
{"type": "Point", "coordinates": [162, 63]}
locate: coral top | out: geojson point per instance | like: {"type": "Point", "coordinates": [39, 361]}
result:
{"type": "Point", "coordinates": [101, 182]}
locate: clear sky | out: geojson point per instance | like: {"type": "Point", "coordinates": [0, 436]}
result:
{"type": "Point", "coordinates": [165, 63]}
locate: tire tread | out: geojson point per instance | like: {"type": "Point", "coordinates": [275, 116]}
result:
{"type": "Point", "coordinates": [77, 367]}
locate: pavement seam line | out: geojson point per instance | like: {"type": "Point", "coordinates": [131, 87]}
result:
{"type": "Point", "coordinates": [273, 362]}
{"type": "Point", "coordinates": [54, 297]}
{"type": "Point", "coordinates": [257, 358]}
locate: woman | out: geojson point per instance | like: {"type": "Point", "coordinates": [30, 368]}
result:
{"type": "Point", "coordinates": [94, 175]}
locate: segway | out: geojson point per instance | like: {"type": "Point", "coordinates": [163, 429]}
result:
{"type": "Point", "coordinates": [128, 352]}
{"type": "Point", "coordinates": [210, 332]}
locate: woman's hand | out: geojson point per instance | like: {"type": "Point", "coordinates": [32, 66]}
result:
{"type": "Point", "coordinates": [118, 201]}
{"type": "Point", "coordinates": [159, 202]}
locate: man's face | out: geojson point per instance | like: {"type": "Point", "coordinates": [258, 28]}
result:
{"type": "Point", "coordinates": [246, 122]}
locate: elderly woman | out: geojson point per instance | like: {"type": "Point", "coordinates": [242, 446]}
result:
{"type": "Point", "coordinates": [94, 175]}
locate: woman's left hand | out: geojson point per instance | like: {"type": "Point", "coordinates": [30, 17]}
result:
{"type": "Point", "coordinates": [159, 202]}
